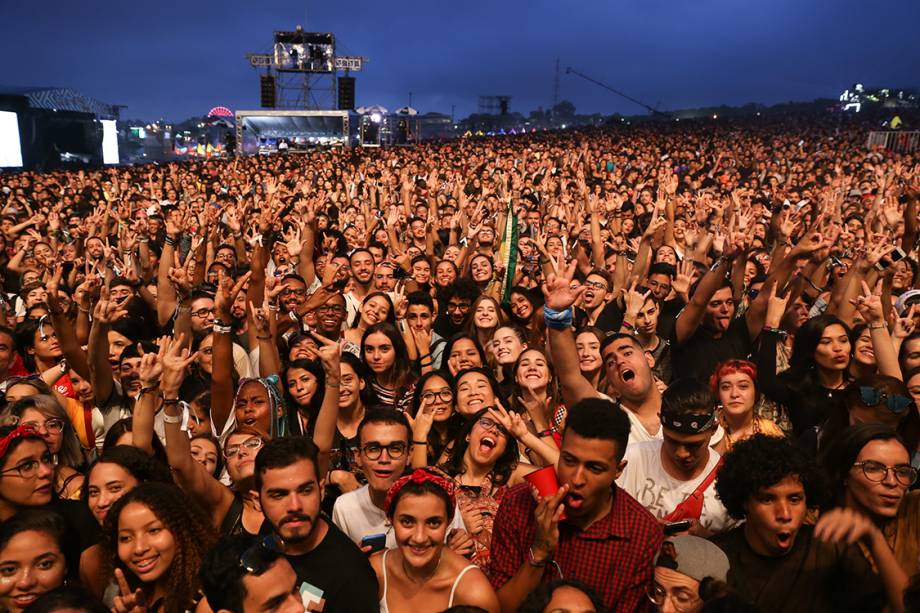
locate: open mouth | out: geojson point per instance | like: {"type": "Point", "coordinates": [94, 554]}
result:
{"type": "Point", "coordinates": [383, 474]}
{"type": "Point", "coordinates": [784, 540]}
{"type": "Point", "coordinates": [574, 501]}
{"type": "Point", "coordinates": [627, 375]}
{"type": "Point", "coordinates": [487, 444]}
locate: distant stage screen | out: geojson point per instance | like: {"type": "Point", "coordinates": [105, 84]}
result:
{"type": "Point", "coordinates": [10, 145]}
{"type": "Point", "coordinates": [109, 142]}
{"type": "Point", "coordinates": [304, 51]}
{"type": "Point", "coordinates": [267, 134]}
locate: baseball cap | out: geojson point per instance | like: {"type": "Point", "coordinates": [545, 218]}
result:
{"type": "Point", "coordinates": [693, 556]}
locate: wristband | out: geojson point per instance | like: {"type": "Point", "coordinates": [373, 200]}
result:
{"type": "Point", "coordinates": [878, 326]}
{"type": "Point", "coordinates": [221, 329]}
{"type": "Point", "coordinates": [778, 331]}
{"type": "Point", "coordinates": [414, 442]}
{"type": "Point", "coordinates": [264, 338]}
{"type": "Point", "coordinates": [171, 419]}
{"type": "Point", "coordinates": [168, 401]}
{"type": "Point", "coordinates": [533, 561]}
{"type": "Point", "coordinates": [558, 320]}
{"type": "Point", "coordinates": [170, 241]}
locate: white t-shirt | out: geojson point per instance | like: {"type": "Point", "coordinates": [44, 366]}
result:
{"type": "Point", "coordinates": [645, 479]}
{"type": "Point", "coordinates": [638, 433]}
{"type": "Point", "coordinates": [358, 517]}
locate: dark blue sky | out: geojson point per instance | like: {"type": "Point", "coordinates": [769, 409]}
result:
{"type": "Point", "coordinates": [179, 58]}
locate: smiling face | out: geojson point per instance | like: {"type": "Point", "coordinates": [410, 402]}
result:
{"type": "Point", "coordinates": [532, 369]}
{"type": "Point", "coordinates": [588, 349]}
{"type": "Point", "coordinates": [862, 349]}
{"type": "Point", "coordinates": [521, 307]}
{"type": "Point", "coordinates": [374, 310]}
{"type": "Point", "coordinates": [420, 525]}
{"type": "Point", "coordinates": [485, 315]}
{"type": "Point", "coordinates": [507, 346]}
{"type": "Point", "coordinates": [878, 499]}
{"type": "Point", "coordinates": [463, 355]}
{"type": "Point", "coordinates": [481, 269]}
{"type": "Point", "coordinates": [31, 564]}
{"type": "Point", "coordinates": [774, 516]}
{"type": "Point", "coordinates": [437, 396]}
{"type": "Point", "coordinates": [145, 545]}
{"type": "Point", "coordinates": [474, 392]}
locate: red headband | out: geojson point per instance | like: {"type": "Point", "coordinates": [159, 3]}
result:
{"type": "Point", "coordinates": [420, 475]}
{"type": "Point", "coordinates": [19, 432]}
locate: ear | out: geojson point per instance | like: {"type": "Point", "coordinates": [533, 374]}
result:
{"type": "Point", "coordinates": [619, 469]}
{"type": "Point", "coordinates": [650, 359]}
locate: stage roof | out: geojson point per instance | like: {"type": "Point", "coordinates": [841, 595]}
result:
{"type": "Point", "coordinates": [63, 99]}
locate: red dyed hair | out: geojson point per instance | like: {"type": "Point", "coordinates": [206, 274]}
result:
{"type": "Point", "coordinates": [730, 367]}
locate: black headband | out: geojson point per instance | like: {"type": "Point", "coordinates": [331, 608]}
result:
{"type": "Point", "coordinates": [688, 424]}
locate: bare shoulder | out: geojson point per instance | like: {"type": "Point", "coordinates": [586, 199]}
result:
{"type": "Point", "coordinates": [474, 589]}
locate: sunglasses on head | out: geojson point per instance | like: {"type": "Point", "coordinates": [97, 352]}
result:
{"type": "Point", "coordinates": [873, 397]}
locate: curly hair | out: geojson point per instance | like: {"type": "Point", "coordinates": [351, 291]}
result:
{"type": "Point", "coordinates": [191, 530]}
{"type": "Point", "coordinates": [137, 463]}
{"type": "Point", "coordinates": [760, 462]}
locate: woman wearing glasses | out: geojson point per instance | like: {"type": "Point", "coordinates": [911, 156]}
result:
{"type": "Point", "coordinates": [27, 483]}
{"type": "Point", "coordinates": [434, 421]}
{"type": "Point", "coordinates": [870, 470]}
{"type": "Point", "coordinates": [422, 574]}
{"type": "Point", "coordinates": [483, 463]}
{"type": "Point", "coordinates": [45, 416]}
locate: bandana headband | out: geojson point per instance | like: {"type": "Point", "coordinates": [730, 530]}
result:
{"type": "Point", "coordinates": [420, 476]}
{"type": "Point", "coordinates": [688, 424]}
{"type": "Point", "coordinates": [20, 431]}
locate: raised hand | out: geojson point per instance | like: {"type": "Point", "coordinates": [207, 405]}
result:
{"type": "Point", "coordinates": [174, 361]}
{"type": "Point", "coordinates": [107, 311]}
{"type": "Point", "coordinates": [558, 292]}
{"type": "Point", "coordinates": [128, 601]}
{"type": "Point", "coordinates": [227, 292]}
{"type": "Point", "coordinates": [330, 354]}
{"type": "Point", "coordinates": [776, 307]}
{"type": "Point", "coordinates": [869, 304]}
{"type": "Point", "coordinates": [151, 367]}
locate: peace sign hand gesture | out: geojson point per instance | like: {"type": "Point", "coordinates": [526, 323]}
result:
{"type": "Point", "coordinates": [128, 601]}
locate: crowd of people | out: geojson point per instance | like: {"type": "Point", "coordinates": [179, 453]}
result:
{"type": "Point", "coordinates": [669, 366]}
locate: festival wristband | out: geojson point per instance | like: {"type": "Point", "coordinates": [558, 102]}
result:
{"type": "Point", "coordinates": [558, 320]}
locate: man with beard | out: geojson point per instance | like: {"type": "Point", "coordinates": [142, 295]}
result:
{"type": "Point", "coordinates": [842, 563]}
{"type": "Point", "coordinates": [605, 538]}
{"type": "Point", "coordinates": [674, 477]}
{"type": "Point", "coordinates": [294, 293]}
{"type": "Point", "coordinates": [362, 276]}
{"type": "Point", "coordinates": [628, 366]}
{"type": "Point", "coordinates": [385, 276]}
{"type": "Point", "coordinates": [333, 574]}
{"type": "Point", "coordinates": [383, 453]}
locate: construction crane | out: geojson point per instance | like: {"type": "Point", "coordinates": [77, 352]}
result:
{"type": "Point", "coordinates": [651, 109]}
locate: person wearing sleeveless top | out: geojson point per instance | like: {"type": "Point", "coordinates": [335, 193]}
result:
{"type": "Point", "coordinates": [421, 574]}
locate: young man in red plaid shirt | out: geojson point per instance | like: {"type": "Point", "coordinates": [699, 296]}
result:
{"type": "Point", "coordinates": [606, 540]}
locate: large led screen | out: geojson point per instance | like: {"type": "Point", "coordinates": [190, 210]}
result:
{"type": "Point", "coordinates": [10, 145]}
{"type": "Point", "coordinates": [109, 142]}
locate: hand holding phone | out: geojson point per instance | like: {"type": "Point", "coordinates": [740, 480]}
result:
{"type": "Point", "coordinates": [376, 542]}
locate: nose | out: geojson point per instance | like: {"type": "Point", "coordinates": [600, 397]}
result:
{"type": "Point", "coordinates": [293, 604]}
{"type": "Point", "coordinates": [668, 605]}
{"type": "Point", "coordinates": [140, 545]}
{"type": "Point", "coordinates": [26, 580]}
{"type": "Point", "coordinates": [578, 478]}
{"type": "Point", "coordinates": [294, 505]}
{"type": "Point", "coordinates": [45, 470]}
{"type": "Point", "coordinates": [890, 480]}
{"type": "Point", "coordinates": [783, 512]}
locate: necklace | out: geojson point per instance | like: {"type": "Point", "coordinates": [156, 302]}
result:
{"type": "Point", "coordinates": [402, 561]}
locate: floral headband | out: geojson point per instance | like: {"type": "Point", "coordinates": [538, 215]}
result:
{"type": "Point", "coordinates": [420, 476]}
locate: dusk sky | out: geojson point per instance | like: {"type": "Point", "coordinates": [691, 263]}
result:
{"type": "Point", "coordinates": [176, 59]}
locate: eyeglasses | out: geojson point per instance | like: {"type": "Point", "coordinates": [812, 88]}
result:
{"type": "Point", "coordinates": [338, 309]}
{"type": "Point", "coordinates": [682, 600]}
{"type": "Point", "coordinates": [395, 450]}
{"type": "Point", "coordinates": [300, 293]}
{"type": "Point", "coordinates": [454, 306]}
{"type": "Point", "coordinates": [878, 472]}
{"type": "Point", "coordinates": [29, 468]}
{"type": "Point", "coordinates": [487, 423]}
{"type": "Point", "coordinates": [596, 285]}
{"type": "Point", "coordinates": [202, 313]}
{"type": "Point", "coordinates": [442, 395]}
{"type": "Point", "coordinates": [873, 397]}
{"type": "Point", "coordinates": [260, 556]}
{"type": "Point", "coordinates": [52, 426]}
{"type": "Point", "coordinates": [253, 444]}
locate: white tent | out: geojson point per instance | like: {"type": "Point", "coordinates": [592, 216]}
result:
{"type": "Point", "coordinates": [370, 110]}
{"type": "Point", "coordinates": [407, 110]}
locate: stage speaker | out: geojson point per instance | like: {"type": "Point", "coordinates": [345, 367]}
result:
{"type": "Point", "coordinates": [346, 93]}
{"type": "Point", "coordinates": [267, 91]}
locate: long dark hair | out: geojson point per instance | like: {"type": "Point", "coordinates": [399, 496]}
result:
{"type": "Point", "coordinates": [459, 336]}
{"type": "Point", "coordinates": [400, 371]}
{"type": "Point", "coordinates": [807, 337]}
{"type": "Point", "coordinates": [504, 466]}
{"type": "Point", "coordinates": [391, 314]}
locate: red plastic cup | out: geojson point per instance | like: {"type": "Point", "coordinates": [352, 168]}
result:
{"type": "Point", "coordinates": [545, 482]}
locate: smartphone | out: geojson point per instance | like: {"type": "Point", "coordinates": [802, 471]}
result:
{"type": "Point", "coordinates": [895, 256]}
{"type": "Point", "coordinates": [676, 527]}
{"type": "Point", "coordinates": [377, 542]}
